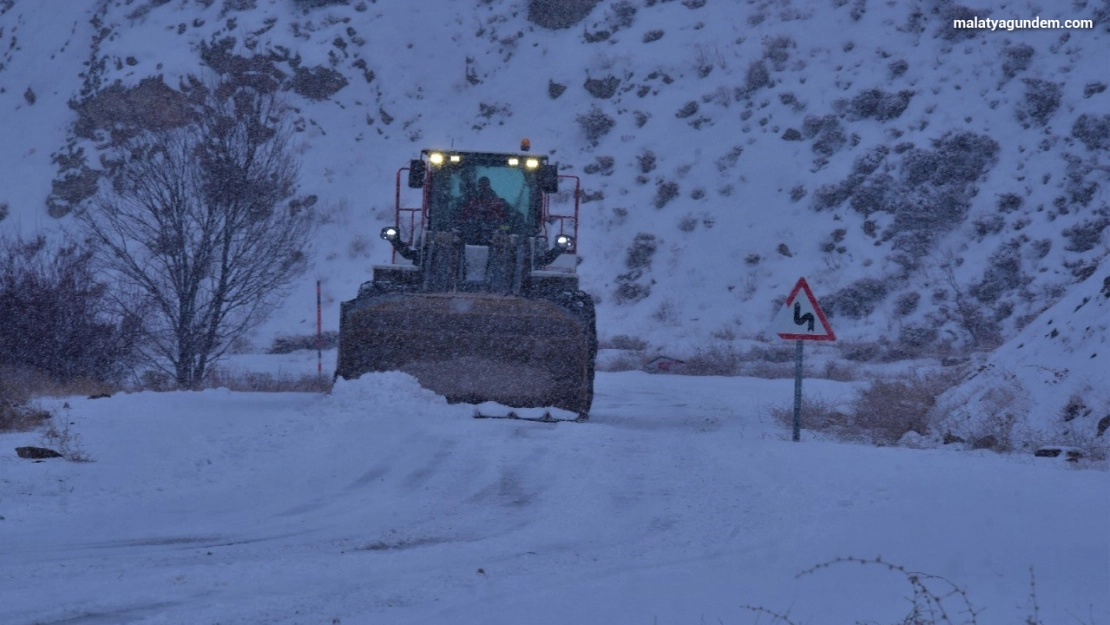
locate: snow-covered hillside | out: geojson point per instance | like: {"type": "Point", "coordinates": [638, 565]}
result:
{"type": "Point", "coordinates": [933, 185]}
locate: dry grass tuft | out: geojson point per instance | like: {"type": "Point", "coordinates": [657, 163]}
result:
{"type": "Point", "coordinates": [28, 383]}
{"type": "Point", "coordinates": [261, 382]}
{"type": "Point", "coordinates": [16, 414]}
{"type": "Point", "coordinates": [881, 414]}
{"type": "Point", "coordinates": [721, 359]}
{"type": "Point", "coordinates": [627, 361]}
{"type": "Point", "coordinates": [20, 417]}
{"type": "Point", "coordinates": [891, 407]}
{"type": "Point", "coordinates": [818, 415]}
{"type": "Point", "coordinates": [624, 341]}
{"type": "Point", "coordinates": [65, 441]}
{"type": "Point", "coordinates": [839, 372]}
{"type": "Point", "coordinates": [768, 370]}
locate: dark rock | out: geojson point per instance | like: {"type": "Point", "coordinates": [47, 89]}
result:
{"type": "Point", "coordinates": [1070, 454]}
{"type": "Point", "coordinates": [950, 438]}
{"type": "Point", "coordinates": [1103, 425]}
{"type": "Point", "coordinates": [792, 134]}
{"type": "Point", "coordinates": [100, 396]}
{"type": "Point", "coordinates": [36, 453]}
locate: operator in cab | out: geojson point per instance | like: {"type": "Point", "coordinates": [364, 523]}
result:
{"type": "Point", "coordinates": [485, 213]}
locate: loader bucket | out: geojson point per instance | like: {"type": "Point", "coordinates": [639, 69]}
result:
{"type": "Point", "coordinates": [475, 347]}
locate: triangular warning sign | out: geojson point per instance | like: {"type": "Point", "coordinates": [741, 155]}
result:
{"type": "Point", "coordinates": [801, 319]}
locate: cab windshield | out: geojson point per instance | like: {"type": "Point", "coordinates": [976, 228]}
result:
{"type": "Point", "coordinates": [453, 185]}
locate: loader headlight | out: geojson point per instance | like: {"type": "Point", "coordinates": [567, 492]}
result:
{"type": "Point", "coordinates": [391, 234]}
{"type": "Point", "coordinates": [564, 242]}
{"type": "Point", "coordinates": [513, 162]}
{"type": "Point", "coordinates": [436, 158]}
{"type": "Point", "coordinates": [532, 163]}
{"type": "Point", "coordinates": [454, 158]}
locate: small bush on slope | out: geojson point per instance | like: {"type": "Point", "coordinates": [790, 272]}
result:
{"type": "Point", "coordinates": [595, 124]}
{"type": "Point", "coordinates": [1042, 98]}
{"type": "Point", "coordinates": [263, 382]}
{"type": "Point", "coordinates": [1093, 131]}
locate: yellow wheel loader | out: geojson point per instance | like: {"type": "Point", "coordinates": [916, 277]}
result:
{"type": "Point", "coordinates": [481, 302]}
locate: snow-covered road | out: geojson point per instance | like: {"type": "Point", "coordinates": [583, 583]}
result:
{"type": "Point", "coordinates": [679, 502]}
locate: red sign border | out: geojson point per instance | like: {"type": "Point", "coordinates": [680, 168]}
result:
{"type": "Point", "coordinates": [803, 286]}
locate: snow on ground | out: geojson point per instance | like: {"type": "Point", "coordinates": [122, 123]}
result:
{"type": "Point", "coordinates": [678, 502]}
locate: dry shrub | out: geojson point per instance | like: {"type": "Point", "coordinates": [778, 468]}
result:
{"type": "Point", "coordinates": [839, 372]}
{"type": "Point", "coordinates": [291, 343]}
{"type": "Point", "coordinates": [713, 360]}
{"type": "Point", "coordinates": [859, 351]}
{"type": "Point", "coordinates": [818, 415]}
{"type": "Point", "coordinates": [264, 382]}
{"type": "Point", "coordinates": [778, 369]}
{"type": "Point", "coordinates": [624, 341]}
{"type": "Point", "coordinates": [30, 382]}
{"type": "Point", "coordinates": [890, 407]}
{"type": "Point", "coordinates": [768, 370]}
{"type": "Point", "coordinates": [20, 417]}
{"type": "Point", "coordinates": [632, 356]}
{"type": "Point", "coordinates": [18, 386]}
{"type": "Point", "coordinates": [65, 442]}
{"type": "Point", "coordinates": [627, 361]}
{"type": "Point", "coordinates": [777, 352]}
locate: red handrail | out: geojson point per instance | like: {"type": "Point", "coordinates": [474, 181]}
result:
{"type": "Point", "coordinates": [548, 216]}
{"type": "Point", "coordinates": [411, 212]}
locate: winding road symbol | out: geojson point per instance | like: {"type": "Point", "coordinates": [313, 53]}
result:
{"type": "Point", "coordinates": [800, 319]}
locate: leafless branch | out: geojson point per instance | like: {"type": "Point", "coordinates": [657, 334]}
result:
{"type": "Point", "coordinates": [198, 228]}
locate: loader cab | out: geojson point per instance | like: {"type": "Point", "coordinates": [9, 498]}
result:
{"type": "Point", "coordinates": [453, 182]}
{"type": "Point", "coordinates": [531, 206]}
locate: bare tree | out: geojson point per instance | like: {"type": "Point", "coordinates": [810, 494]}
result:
{"type": "Point", "coordinates": [982, 331]}
{"type": "Point", "coordinates": [200, 226]}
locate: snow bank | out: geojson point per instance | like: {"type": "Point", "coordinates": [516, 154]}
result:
{"type": "Point", "coordinates": [1048, 385]}
{"type": "Point", "coordinates": [398, 393]}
